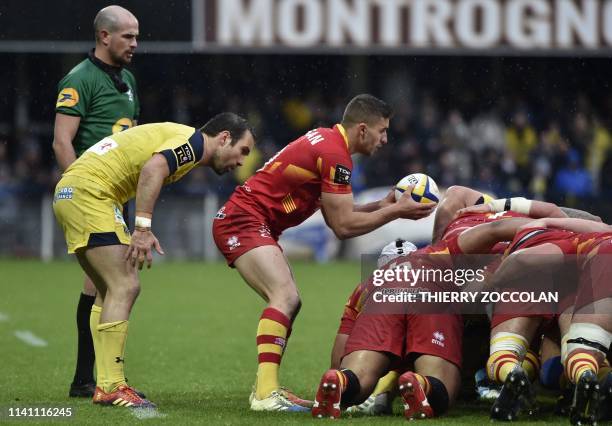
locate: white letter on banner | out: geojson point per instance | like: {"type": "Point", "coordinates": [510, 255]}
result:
{"type": "Point", "coordinates": [288, 29]}
{"type": "Point", "coordinates": [466, 24]}
{"type": "Point", "coordinates": [355, 20]}
{"type": "Point", "coordinates": [526, 32]}
{"type": "Point", "coordinates": [607, 22]}
{"type": "Point", "coordinates": [245, 25]}
{"type": "Point", "coordinates": [388, 21]}
{"type": "Point", "coordinates": [570, 20]}
{"type": "Point", "coordinates": [430, 17]}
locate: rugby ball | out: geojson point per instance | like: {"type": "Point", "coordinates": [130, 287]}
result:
{"type": "Point", "coordinates": [425, 189]}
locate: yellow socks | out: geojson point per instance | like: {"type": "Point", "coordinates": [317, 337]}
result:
{"type": "Point", "coordinates": [94, 320]}
{"type": "Point", "coordinates": [507, 350]}
{"type": "Point", "coordinates": [578, 362]}
{"type": "Point", "coordinates": [386, 383]}
{"type": "Point", "coordinates": [113, 336]}
{"type": "Point", "coordinates": [424, 382]}
{"type": "Point", "coordinates": [271, 340]}
{"type": "Point", "coordinates": [531, 365]}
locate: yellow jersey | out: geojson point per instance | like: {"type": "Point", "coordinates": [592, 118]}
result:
{"type": "Point", "coordinates": [115, 162]}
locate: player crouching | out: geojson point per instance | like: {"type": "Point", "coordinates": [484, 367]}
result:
{"type": "Point", "coordinates": [379, 342]}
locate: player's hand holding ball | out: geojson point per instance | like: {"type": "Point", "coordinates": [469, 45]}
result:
{"type": "Point", "coordinates": [417, 195]}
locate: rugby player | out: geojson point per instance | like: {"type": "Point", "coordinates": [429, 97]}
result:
{"type": "Point", "coordinates": [586, 343]}
{"type": "Point", "coordinates": [374, 341]}
{"type": "Point", "coordinates": [310, 173]}
{"type": "Point", "coordinates": [95, 99]}
{"type": "Point", "coordinates": [87, 204]}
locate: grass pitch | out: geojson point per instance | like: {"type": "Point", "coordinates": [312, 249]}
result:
{"type": "Point", "coordinates": [191, 344]}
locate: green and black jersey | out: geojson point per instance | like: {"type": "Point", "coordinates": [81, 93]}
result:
{"type": "Point", "coordinates": [88, 91]}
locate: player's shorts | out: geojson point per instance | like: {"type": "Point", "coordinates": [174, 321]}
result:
{"type": "Point", "coordinates": [237, 231]}
{"type": "Point", "coordinates": [595, 276]}
{"type": "Point", "coordinates": [405, 334]}
{"type": "Point", "coordinates": [88, 214]}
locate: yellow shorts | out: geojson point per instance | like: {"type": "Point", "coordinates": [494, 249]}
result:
{"type": "Point", "coordinates": [88, 215]}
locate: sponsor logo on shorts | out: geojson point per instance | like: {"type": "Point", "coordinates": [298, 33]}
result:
{"type": "Point", "coordinates": [438, 338]}
{"type": "Point", "coordinates": [119, 216]}
{"type": "Point", "coordinates": [184, 154]}
{"type": "Point", "coordinates": [68, 97]}
{"type": "Point", "coordinates": [264, 231]}
{"type": "Point", "coordinates": [221, 213]}
{"type": "Point", "coordinates": [232, 242]}
{"type": "Point", "coordinates": [64, 193]}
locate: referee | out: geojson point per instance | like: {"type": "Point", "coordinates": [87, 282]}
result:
{"type": "Point", "coordinates": [95, 99]}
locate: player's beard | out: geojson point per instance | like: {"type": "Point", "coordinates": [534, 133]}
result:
{"type": "Point", "coordinates": [217, 164]}
{"type": "Point", "coordinates": [120, 58]}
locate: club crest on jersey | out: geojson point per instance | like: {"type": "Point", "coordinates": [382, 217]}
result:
{"type": "Point", "coordinates": [130, 95]}
{"type": "Point", "coordinates": [68, 97]}
{"type": "Point", "coordinates": [342, 175]}
{"type": "Point", "coordinates": [184, 154]}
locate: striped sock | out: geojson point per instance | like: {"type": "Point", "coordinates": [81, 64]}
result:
{"type": "Point", "coordinates": [603, 371]}
{"type": "Point", "coordinates": [424, 382]}
{"type": "Point", "coordinates": [531, 365]}
{"type": "Point", "coordinates": [579, 361]}
{"type": "Point", "coordinates": [271, 340]}
{"type": "Point", "coordinates": [500, 364]}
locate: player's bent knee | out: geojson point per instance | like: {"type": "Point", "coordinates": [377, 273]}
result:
{"type": "Point", "coordinates": [286, 301]}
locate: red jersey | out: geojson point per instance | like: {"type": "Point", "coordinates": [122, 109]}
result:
{"type": "Point", "coordinates": [567, 241]}
{"type": "Point", "coordinates": [469, 220]}
{"type": "Point", "coordinates": [423, 258]}
{"type": "Point", "coordinates": [287, 189]}
{"type": "Point", "coordinates": [589, 242]}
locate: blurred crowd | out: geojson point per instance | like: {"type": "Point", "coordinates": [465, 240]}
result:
{"type": "Point", "coordinates": [559, 152]}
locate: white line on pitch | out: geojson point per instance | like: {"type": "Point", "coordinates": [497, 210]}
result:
{"type": "Point", "coordinates": [3, 317]}
{"type": "Point", "coordinates": [146, 413]}
{"type": "Point", "coordinates": [30, 338]}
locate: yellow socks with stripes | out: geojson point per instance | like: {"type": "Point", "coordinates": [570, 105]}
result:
{"type": "Point", "coordinates": [584, 348]}
{"type": "Point", "coordinates": [94, 320]}
{"type": "Point", "coordinates": [507, 350]}
{"type": "Point", "coordinates": [113, 336]}
{"type": "Point", "coordinates": [272, 333]}
{"type": "Point", "coordinates": [531, 365]}
{"type": "Point", "coordinates": [579, 361]}
{"type": "Point", "coordinates": [387, 383]}
{"type": "Point", "coordinates": [424, 382]}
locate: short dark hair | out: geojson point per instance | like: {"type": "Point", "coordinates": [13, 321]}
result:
{"type": "Point", "coordinates": [229, 121]}
{"type": "Point", "coordinates": [365, 108]}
